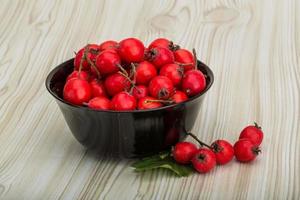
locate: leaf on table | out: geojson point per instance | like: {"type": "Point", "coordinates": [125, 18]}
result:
{"type": "Point", "coordinates": [164, 161]}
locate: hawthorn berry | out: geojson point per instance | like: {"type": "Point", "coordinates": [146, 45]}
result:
{"type": "Point", "coordinates": [253, 133]}
{"type": "Point", "coordinates": [245, 150]}
{"type": "Point", "coordinates": [204, 160]}
{"type": "Point", "coordinates": [183, 152]}
{"type": "Point", "coordinates": [223, 150]}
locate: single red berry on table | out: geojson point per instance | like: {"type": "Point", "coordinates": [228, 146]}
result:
{"type": "Point", "coordinates": [161, 87]}
{"type": "Point", "coordinates": [204, 160]}
{"type": "Point", "coordinates": [253, 133]}
{"type": "Point", "coordinates": [245, 150]}
{"type": "Point", "coordinates": [223, 150]}
{"type": "Point", "coordinates": [145, 103]}
{"type": "Point", "coordinates": [98, 88]}
{"type": "Point", "coordinates": [77, 91]}
{"type": "Point", "coordinates": [173, 71]}
{"type": "Point", "coordinates": [179, 97]}
{"type": "Point", "coordinates": [145, 71]}
{"type": "Point", "coordinates": [131, 50]}
{"type": "Point", "coordinates": [108, 62]}
{"type": "Point", "coordinates": [116, 83]}
{"type": "Point", "coordinates": [160, 56]}
{"type": "Point", "coordinates": [193, 82]}
{"type": "Point", "coordinates": [99, 103]}
{"type": "Point", "coordinates": [123, 101]}
{"type": "Point", "coordinates": [75, 74]}
{"type": "Point", "coordinates": [183, 152]}
{"type": "Point", "coordinates": [109, 44]}
{"type": "Point", "coordinates": [184, 56]}
{"type": "Point", "coordinates": [140, 91]}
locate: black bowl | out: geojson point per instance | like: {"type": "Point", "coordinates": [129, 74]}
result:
{"type": "Point", "coordinates": [127, 133]}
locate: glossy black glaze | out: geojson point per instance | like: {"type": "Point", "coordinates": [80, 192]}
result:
{"type": "Point", "coordinates": [129, 133]}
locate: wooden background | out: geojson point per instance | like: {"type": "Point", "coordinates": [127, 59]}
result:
{"type": "Point", "coordinates": [253, 47]}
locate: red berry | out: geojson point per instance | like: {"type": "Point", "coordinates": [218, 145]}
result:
{"type": "Point", "coordinates": [253, 133]}
{"type": "Point", "coordinates": [100, 103]}
{"type": "Point", "coordinates": [161, 87]}
{"type": "Point", "coordinates": [179, 97]}
{"type": "Point", "coordinates": [160, 42]}
{"type": "Point", "coordinates": [131, 50]}
{"type": "Point", "coordinates": [98, 88]}
{"type": "Point", "coordinates": [193, 82]}
{"type": "Point", "coordinates": [145, 71]}
{"type": "Point", "coordinates": [173, 71]}
{"type": "Point", "coordinates": [145, 103]}
{"type": "Point", "coordinates": [123, 101]}
{"type": "Point", "coordinates": [223, 150]}
{"type": "Point", "coordinates": [75, 74]}
{"type": "Point", "coordinates": [245, 150]}
{"type": "Point", "coordinates": [204, 160]}
{"type": "Point", "coordinates": [184, 56]}
{"type": "Point", "coordinates": [183, 152]}
{"type": "Point", "coordinates": [77, 91]}
{"type": "Point", "coordinates": [116, 83]}
{"type": "Point", "coordinates": [109, 44]}
{"type": "Point", "coordinates": [107, 62]}
{"type": "Point", "coordinates": [77, 60]}
{"type": "Point", "coordinates": [93, 51]}
{"type": "Point", "coordinates": [163, 42]}
{"type": "Point", "coordinates": [160, 56]}
{"type": "Point", "coordinates": [140, 91]}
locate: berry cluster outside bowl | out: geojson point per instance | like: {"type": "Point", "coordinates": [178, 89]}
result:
{"type": "Point", "coordinates": [127, 134]}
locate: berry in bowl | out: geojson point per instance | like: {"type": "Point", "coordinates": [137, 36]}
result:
{"type": "Point", "coordinates": [123, 99]}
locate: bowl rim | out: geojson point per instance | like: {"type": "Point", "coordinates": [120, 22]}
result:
{"type": "Point", "coordinates": [208, 73]}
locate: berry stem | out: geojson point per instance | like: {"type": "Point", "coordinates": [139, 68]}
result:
{"type": "Point", "coordinates": [173, 47]}
{"type": "Point", "coordinates": [256, 150]}
{"type": "Point", "coordinates": [133, 72]}
{"type": "Point", "coordinates": [131, 82]}
{"type": "Point", "coordinates": [199, 141]}
{"type": "Point", "coordinates": [92, 64]}
{"type": "Point", "coordinates": [183, 64]}
{"type": "Point", "coordinates": [181, 71]}
{"type": "Point", "coordinates": [160, 101]}
{"type": "Point", "coordinates": [126, 76]}
{"type": "Point", "coordinates": [81, 61]}
{"type": "Point", "coordinates": [195, 57]}
{"type": "Point", "coordinates": [122, 69]}
{"type": "Point", "coordinates": [256, 125]}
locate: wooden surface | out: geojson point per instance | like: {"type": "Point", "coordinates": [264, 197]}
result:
{"type": "Point", "coordinates": [253, 47]}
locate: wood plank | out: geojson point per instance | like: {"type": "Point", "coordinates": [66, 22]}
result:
{"type": "Point", "coordinates": [252, 47]}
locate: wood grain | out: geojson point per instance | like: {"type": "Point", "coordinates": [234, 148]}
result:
{"type": "Point", "coordinates": [253, 47]}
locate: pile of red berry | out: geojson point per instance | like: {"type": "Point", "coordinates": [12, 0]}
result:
{"type": "Point", "coordinates": [219, 152]}
{"type": "Point", "coordinates": [127, 76]}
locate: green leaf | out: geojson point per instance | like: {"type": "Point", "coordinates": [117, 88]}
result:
{"type": "Point", "coordinates": [164, 155]}
{"type": "Point", "coordinates": [162, 161]}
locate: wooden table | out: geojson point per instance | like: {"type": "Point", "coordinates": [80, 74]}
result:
{"type": "Point", "coordinates": [253, 47]}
